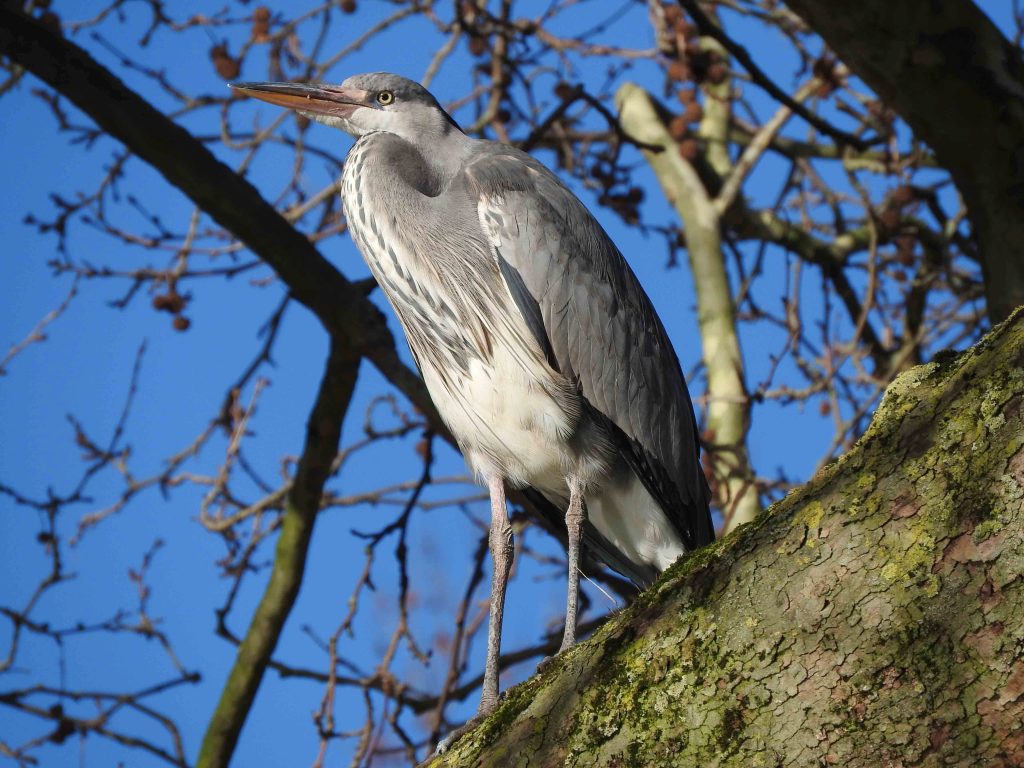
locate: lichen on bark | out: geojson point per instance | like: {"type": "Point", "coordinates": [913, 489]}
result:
{"type": "Point", "coordinates": [873, 617]}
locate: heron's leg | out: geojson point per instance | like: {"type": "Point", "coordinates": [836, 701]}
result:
{"type": "Point", "coordinates": [500, 540]}
{"type": "Point", "coordinates": [574, 525]}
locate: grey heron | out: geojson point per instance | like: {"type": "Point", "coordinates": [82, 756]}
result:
{"type": "Point", "coordinates": [540, 349]}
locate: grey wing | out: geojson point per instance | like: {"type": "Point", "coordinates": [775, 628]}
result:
{"type": "Point", "coordinates": [595, 323]}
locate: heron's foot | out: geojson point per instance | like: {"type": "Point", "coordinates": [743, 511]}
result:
{"type": "Point", "coordinates": [544, 664]}
{"type": "Point", "coordinates": [568, 641]}
{"type": "Point", "coordinates": [487, 705]}
{"type": "Point", "coordinates": [449, 741]}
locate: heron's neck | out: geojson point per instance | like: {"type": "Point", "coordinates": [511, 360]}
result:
{"type": "Point", "coordinates": [427, 165]}
{"type": "Point", "coordinates": [444, 158]}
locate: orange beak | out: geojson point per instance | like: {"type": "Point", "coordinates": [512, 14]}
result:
{"type": "Point", "coordinates": [316, 99]}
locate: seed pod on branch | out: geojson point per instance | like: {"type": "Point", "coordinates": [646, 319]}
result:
{"type": "Point", "coordinates": [477, 45]}
{"type": "Point", "coordinates": [693, 112]}
{"type": "Point", "coordinates": [824, 68]}
{"type": "Point", "coordinates": [717, 72]}
{"type": "Point", "coordinates": [564, 90]}
{"type": "Point", "coordinates": [679, 128]}
{"type": "Point", "coordinates": [890, 218]}
{"type": "Point", "coordinates": [678, 71]}
{"type": "Point", "coordinates": [227, 66]}
{"type": "Point", "coordinates": [688, 149]}
{"type": "Point", "coordinates": [171, 301]}
{"type": "Point", "coordinates": [260, 24]}
{"type": "Point", "coordinates": [903, 195]}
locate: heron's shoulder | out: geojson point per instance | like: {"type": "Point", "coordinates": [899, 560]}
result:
{"type": "Point", "coordinates": [498, 169]}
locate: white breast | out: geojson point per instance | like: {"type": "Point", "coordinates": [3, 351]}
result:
{"type": "Point", "coordinates": [506, 421]}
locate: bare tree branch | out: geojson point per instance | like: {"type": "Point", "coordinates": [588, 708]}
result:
{"type": "Point", "coordinates": [216, 189]}
{"type": "Point", "coordinates": [948, 71]}
{"type": "Point", "coordinates": [323, 432]}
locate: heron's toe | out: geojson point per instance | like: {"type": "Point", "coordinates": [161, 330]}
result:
{"type": "Point", "coordinates": [486, 707]}
{"type": "Point", "coordinates": [445, 744]}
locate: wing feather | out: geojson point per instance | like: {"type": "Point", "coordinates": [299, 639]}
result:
{"type": "Point", "coordinates": [596, 324]}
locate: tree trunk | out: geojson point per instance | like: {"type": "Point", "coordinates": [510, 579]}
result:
{"type": "Point", "coordinates": [874, 617]}
{"type": "Point", "coordinates": [959, 84]}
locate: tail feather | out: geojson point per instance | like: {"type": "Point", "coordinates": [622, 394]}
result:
{"type": "Point", "coordinates": [594, 542]}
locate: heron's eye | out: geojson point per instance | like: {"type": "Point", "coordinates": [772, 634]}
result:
{"type": "Point", "coordinates": [385, 97]}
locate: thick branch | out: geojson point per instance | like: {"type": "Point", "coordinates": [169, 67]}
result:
{"type": "Point", "coordinates": [323, 431]}
{"type": "Point", "coordinates": [879, 161]}
{"type": "Point", "coordinates": [959, 84]}
{"type": "Point", "coordinates": [873, 617]}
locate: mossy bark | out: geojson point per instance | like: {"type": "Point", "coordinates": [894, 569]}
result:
{"type": "Point", "coordinates": [874, 617]}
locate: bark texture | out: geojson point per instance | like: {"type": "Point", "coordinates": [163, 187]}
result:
{"type": "Point", "coordinates": [874, 617]}
{"type": "Point", "coordinates": [959, 83]}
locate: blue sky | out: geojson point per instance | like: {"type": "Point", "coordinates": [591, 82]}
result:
{"type": "Point", "coordinates": [84, 368]}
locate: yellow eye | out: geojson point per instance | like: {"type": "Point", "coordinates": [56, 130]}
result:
{"type": "Point", "coordinates": [385, 97]}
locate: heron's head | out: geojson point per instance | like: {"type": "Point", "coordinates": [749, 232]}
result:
{"type": "Point", "coordinates": [378, 101]}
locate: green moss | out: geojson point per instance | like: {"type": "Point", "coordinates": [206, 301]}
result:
{"type": "Point", "coordinates": [986, 530]}
{"type": "Point", "coordinates": [909, 563]}
{"type": "Point", "coordinates": [730, 730]}
{"type": "Point", "coordinates": [810, 516]}
{"type": "Point", "coordinates": [866, 481]}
